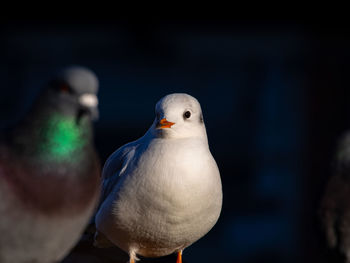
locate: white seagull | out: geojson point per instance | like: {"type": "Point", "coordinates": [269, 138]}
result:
{"type": "Point", "coordinates": [162, 192]}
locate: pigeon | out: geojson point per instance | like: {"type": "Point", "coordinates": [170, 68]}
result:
{"type": "Point", "coordinates": [162, 192]}
{"type": "Point", "coordinates": [50, 171]}
{"type": "Point", "coordinates": [335, 204]}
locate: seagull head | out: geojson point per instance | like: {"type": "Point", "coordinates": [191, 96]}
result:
{"type": "Point", "coordinates": [74, 90]}
{"type": "Point", "coordinates": [178, 115]}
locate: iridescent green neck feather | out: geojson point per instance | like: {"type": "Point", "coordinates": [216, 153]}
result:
{"type": "Point", "coordinates": [62, 138]}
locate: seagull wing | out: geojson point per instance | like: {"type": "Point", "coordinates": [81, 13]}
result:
{"type": "Point", "coordinates": [114, 168]}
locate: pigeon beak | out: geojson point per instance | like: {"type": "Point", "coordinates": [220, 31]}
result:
{"type": "Point", "coordinates": [89, 103]}
{"type": "Point", "coordinates": [163, 123]}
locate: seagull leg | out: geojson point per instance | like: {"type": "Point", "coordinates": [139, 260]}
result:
{"type": "Point", "coordinates": [132, 256]}
{"type": "Point", "coordinates": [179, 257]}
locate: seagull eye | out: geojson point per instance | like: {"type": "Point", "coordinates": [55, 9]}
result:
{"type": "Point", "coordinates": [187, 114]}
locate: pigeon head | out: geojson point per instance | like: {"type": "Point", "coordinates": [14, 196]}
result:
{"type": "Point", "coordinates": [59, 122]}
{"type": "Point", "coordinates": [73, 91]}
{"type": "Point", "coordinates": [178, 115]}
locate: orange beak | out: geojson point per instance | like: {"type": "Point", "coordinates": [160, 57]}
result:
{"type": "Point", "coordinates": [163, 123]}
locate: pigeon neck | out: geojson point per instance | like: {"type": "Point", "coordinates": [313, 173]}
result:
{"type": "Point", "coordinates": [57, 137]}
{"type": "Point", "coordinates": [63, 136]}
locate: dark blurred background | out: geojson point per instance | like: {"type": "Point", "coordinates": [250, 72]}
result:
{"type": "Point", "coordinates": [275, 96]}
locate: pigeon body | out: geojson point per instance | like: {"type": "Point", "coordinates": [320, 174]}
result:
{"type": "Point", "coordinates": [49, 172]}
{"type": "Point", "coordinates": [335, 206]}
{"type": "Point", "coordinates": [162, 192]}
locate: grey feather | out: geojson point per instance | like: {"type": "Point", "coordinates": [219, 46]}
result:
{"type": "Point", "coordinates": [114, 168]}
{"type": "Point", "coordinates": [335, 204]}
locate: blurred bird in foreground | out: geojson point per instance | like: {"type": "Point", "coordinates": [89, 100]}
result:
{"type": "Point", "coordinates": [335, 206]}
{"type": "Point", "coordinates": [49, 171]}
{"type": "Point", "coordinates": [162, 192]}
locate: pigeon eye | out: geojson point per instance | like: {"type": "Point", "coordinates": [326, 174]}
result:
{"type": "Point", "coordinates": [187, 114]}
{"type": "Point", "coordinates": [64, 88]}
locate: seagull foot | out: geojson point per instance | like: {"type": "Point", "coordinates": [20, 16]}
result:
{"type": "Point", "coordinates": [179, 257]}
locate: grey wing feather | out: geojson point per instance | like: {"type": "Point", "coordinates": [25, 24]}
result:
{"type": "Point", "coordinates": [329, 212]}
{"type": "Point", "coordinates": [335, 208]}
{"type": "Point", "coordinates": [113, 169]}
